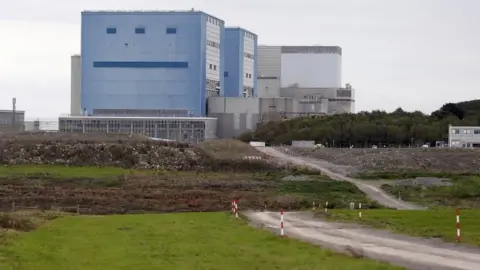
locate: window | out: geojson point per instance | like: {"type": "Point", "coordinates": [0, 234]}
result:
{"type": "Point", "coordinates": [171, 30]}
{"type": "Point", "coordinates": [225, 74]}
{"type": "Point", "coordinates": [139, 30]}
{"type": "Point", "coordinates": [213, 44]}
{"type": "Point", "coordinates": [111, 30]}
{"type": "Point", "coordinates": [214, 67]}
{"type": "Point", "coordinates": [466, 131]}
{"type": "Point", "coordinates": [476, 131]}
{"type": "Point", "coordinates": [455, 131]}
{"type": "Point", "coordinates": [211, 66]}
{"type": "Point", "coordinates": [246, 75]}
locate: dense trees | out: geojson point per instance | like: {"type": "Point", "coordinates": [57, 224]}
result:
{"type": "Point", "coordinates": [371, 128]}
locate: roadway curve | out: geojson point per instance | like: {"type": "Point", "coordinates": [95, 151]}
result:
{"type": "Point", "coordinates": [410, 252]}
{"type": "Point", "coordinates": [372, 192]}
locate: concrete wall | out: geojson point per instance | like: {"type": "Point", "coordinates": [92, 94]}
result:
{"type": "Point", "coordinates": [311, 66]}
{"type": "Point", "coordinates": [76, 85]}
{"type": "Point", "coordinates": [150, 60]}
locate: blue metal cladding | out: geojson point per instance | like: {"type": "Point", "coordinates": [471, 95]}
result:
{"type": "Point", "coordinates": [233, 62]}
{"type": "Point", "coordinates": [156, 69]}
{"type": "Point", "coordinates": [222, 59]}
{"type": "Point", "coordinates": [134, 64]}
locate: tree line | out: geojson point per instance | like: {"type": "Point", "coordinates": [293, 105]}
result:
{"type": "Point", "coordinates": [364, 129]}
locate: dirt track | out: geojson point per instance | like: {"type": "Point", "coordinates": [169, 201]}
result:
{"type": "Point", "coordinates": [409, 252]}
{"type": "Point", "coordinates": [373, 192]}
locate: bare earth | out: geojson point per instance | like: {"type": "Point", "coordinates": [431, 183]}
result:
{"type": "Point", "coordinates": [410, 252]}
{"type": "Point", "coordinates": [359, 241]}
{"type": "Point", "coordinates": [334, 172]}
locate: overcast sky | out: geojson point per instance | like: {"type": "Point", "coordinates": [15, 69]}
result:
{"type": "Point", "coordinates": [414, 54]}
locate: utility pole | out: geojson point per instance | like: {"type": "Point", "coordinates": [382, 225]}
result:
{"type": "Point", "coordinates": [14, 111]}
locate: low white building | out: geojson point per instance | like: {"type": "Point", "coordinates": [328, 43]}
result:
{"type": "Point", "coordinates": [464, 136]}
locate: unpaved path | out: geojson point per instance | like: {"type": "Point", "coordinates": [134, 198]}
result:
{"type": "Point", "coordinates": [371, 191]}
{"type": "Point", "coordinates": [410, 252]}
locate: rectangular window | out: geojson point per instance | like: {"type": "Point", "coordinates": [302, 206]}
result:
{"type": "Point", "coordinates": [139, 30]}
{"type": "Point", "coordinates": [111, 30]}
{"type": "Point", "coordinates": [455, 131]}
{"type": "Point", "coordinates": [171, 30]}
{"type": "Point", "coordinates": [225, 74]}
{"type": "Point", "coordinates": [214, 67]}
{"type": "Point", "coordinates": [476, 131]}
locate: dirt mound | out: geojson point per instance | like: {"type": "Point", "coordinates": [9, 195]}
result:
{"type": "Point", "coordinates": [400, 159]}
{"type": "Point", "coordinates": [128, 152]}
{"type": "Point", "coordinates": [157, 193]}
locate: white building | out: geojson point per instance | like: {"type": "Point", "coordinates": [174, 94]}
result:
{"type": "Point", "coordinates": [311, 74]}
{"type": "Point", "coordinates": [463, 136]}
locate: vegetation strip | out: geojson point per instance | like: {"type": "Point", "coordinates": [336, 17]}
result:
{"type": "Point", "coordinates": [167, 241]}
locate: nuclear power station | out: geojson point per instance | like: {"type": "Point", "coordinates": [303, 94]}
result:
{"type": "Point", "coordinates": [187, 76]}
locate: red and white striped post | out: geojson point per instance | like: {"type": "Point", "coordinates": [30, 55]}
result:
{"type": "Point", "coordinates": [236, 208]}
{"type": "Point", "coordinates": [281, 223]}
{"type": "Point", "coordinates": [459, 238]}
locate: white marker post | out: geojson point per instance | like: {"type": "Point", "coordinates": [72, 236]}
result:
{"type": "Point", "coordinates": [326, 206]}
{"type": "Point", "coordinates": [360, 208]}
{"type": "Point", "coordinates": [313, 208]}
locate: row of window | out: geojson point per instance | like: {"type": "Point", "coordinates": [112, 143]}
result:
{"type": "Point", "coordinates": [213, 67]}
{"type": "Point", "coordinates": [213, 44]}
{"type": "Point", "coordinates": [213, 20]}
{"type": "Point", "coordinates": [466, 131]}
{"type": "Point", "coordinates": [141, 30]}
{"type": "Point", "coordinates": [248, 35]}
{"type": "Point", "coordinates": [248, 75]}
{"type": "Point", "coordinates": [248, 55]}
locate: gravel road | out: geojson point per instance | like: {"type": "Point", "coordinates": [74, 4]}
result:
{"type": "Point", "coordinates": [371, 191]}
{"type": "Point", "coordinates": [410, 252]}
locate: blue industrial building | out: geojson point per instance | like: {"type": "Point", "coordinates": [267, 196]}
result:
{"type": "Point", "coordinates": [240, 63]}
{"type": "Point", "coordinates": [163, 61]}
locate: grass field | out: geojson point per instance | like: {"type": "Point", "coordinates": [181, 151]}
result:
{"type": "Point", "coordinates": [110, 190]}
{"type": "Point", "coordinates": [464, 192]}
{"type": "Point", "coordinates": [166, 241]}
{"type": "Point", "coordinates": [431, 223]}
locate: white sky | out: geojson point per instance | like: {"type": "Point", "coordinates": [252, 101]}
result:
{"type": "Point", "coordinates": [414, 54]}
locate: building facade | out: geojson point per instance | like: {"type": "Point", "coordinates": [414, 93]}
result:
{"type": "Point", "coordinates": [310, 74]}
{"type": "Point", "coordinates": [11, 121]}
{"type": "Point", "coordinates": [464, 136]}
{"type": "Point", "coordinates": [182, 129]}
{"type": "Point", "coordinates": [240, 62]}
{"type": "Point", "coordinates": [76, 85]}
{"type": "Point", "coordinates": [150, 61]}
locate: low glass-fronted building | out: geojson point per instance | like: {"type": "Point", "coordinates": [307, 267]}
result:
{"type": "Point", "coordinates": [182, 129]}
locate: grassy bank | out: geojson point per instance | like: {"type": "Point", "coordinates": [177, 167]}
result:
{"type": "Point", "coordinates": [432, 223]}
{"type": "Point", "coordinates": [168, 241]}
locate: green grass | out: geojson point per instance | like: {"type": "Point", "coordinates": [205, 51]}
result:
{"type": "Point", "coordinates": [320, 189]}
{"type": "Point", "coordinates": [67, 172]}
{"type": "Point", "coordinates": [464, 192]}
{"type": "Point", "coordinates": [407, 175]}
{"type": "Point", "coordinates": [168, 241]}
{"type": "Point", "coordinates": [430, 223]}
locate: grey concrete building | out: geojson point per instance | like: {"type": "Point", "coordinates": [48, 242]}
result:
{"type": "Point", "coordinates": [464, 136]}
{"type": "Point", "coordinates": [12, 122]}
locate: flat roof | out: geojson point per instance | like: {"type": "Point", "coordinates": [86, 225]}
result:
{"type": "Point", "coordinates": [240, 28]}
{"type": "Point", "coordinates": [147, 12]}
{"type": "Point", "coordinates": [134, 118]}
{"type": "Point", "coordinates": [10, 111]}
